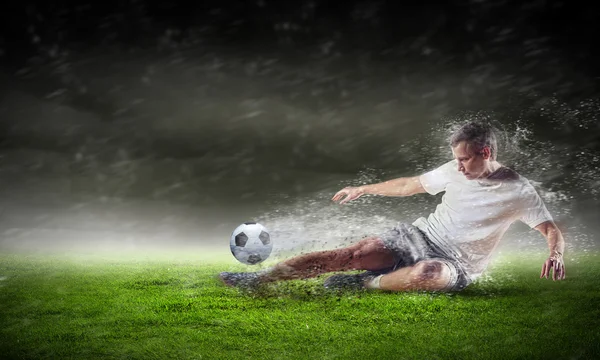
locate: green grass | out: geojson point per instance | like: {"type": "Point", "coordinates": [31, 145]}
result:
{"type": "Point", "coordinates": [70, 308]}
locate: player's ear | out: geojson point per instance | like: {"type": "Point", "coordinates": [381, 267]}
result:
{"type": "Point", "coordinates": [486, 152]}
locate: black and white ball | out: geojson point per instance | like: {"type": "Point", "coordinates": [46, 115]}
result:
{"type": "Point", "coordinates": [251, 243]}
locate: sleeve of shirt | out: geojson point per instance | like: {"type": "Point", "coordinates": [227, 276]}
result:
{"type": "Point", "coordinates": [534, 211]}
{"type": "Point", "coordinates": [436, 180]}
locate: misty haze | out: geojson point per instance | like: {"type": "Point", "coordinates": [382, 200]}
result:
{"type": "Point", "coordinates": [135, 139]}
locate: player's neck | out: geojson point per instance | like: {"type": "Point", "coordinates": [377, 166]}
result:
{"type": "Point", "coordinates": [492, 167]}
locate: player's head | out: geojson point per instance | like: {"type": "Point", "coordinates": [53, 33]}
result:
{"type": "Point", "coordinates": [474, 145]}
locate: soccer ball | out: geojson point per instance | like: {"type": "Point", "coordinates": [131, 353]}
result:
{"type": "Point", "coordinates": [250, 243]}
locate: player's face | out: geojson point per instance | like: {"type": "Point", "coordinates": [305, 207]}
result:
{"type": "Point", "coordinates": [472, 164]}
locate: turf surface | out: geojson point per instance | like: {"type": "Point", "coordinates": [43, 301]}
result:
{"type": "Point", "coordinates": [85, 308]}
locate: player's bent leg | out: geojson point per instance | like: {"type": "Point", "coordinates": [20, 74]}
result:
{"type": "Point", "coordinates": [429, 275]}
{"type": "Point", "coordinates": [368, 254]}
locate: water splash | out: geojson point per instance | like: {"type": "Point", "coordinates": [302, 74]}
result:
{"type": "Point", "coordinates": [564, 173]}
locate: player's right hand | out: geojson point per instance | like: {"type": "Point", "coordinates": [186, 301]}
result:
{"type": "Point", "coordinates": [348, 194]}
{"type": "Point", "coordinates": [556, 264]}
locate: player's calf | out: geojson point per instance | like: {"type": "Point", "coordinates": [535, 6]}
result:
{"type": "Point", "coordinates": [431, 275]}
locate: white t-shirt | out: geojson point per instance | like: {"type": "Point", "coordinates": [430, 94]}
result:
{"type": "Point", "coordinates": [474, 214]}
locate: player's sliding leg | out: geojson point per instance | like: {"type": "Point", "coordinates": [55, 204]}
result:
{"type": "Point", "coordinates": [367, 254]}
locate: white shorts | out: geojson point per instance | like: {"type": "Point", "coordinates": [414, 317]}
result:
{"type": "Point", "coordinates": [410, 245]}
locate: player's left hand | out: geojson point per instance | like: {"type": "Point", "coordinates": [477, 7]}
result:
{"type": "Point", "coordinates": [350, 193]}
{"type": "Point", "coordinates": [556, 265]}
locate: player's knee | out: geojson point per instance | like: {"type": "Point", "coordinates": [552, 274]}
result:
{"type": "Point", "coordinates": [367, 246]}
{"type": "Point", "coordinates": [430, 270]}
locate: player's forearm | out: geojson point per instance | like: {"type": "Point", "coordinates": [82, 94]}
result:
{"type": "Point", "coordinates": [556, 242]}
{"type": "Point", "coordinates": [395, 187]}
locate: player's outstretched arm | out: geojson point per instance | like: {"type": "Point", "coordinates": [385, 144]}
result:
{"type": "Point", "coordinates": [556, 243]}
{"type": "Point", "coordinates": [405, 186]}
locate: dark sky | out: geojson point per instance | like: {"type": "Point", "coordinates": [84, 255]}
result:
{"type": "Point", "coordinates": [457, 28]}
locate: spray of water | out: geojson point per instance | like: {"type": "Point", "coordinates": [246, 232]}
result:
{"type": "Point", "coordinates": [565, 175]}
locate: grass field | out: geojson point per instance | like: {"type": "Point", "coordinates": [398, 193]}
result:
{"type": "Point", "coordinates": [91, 308]}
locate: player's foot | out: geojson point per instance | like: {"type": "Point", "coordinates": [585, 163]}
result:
{"type": "Point", "coordinates": [246, 280]}
{"type": "Point", "coordinates": [349, 282]}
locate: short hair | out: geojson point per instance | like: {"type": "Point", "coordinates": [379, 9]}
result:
{"type": "Point", "coordinates": [478, 135]}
